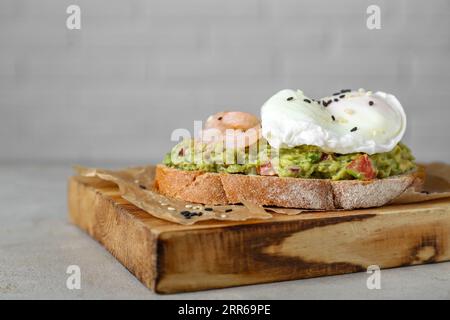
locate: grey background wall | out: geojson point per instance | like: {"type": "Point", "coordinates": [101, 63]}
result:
{"type": "Point", "coordinates": [113, 91]}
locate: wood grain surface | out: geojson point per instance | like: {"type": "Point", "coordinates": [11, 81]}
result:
{"type": "Point", "coordinates": [169, 258]}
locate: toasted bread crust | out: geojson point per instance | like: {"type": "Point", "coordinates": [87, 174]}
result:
{"type": "Point", "coordinates": [319, 194]}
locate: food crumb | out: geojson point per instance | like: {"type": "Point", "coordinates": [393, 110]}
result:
{"type": "Point", "coordinates": [349, 111]}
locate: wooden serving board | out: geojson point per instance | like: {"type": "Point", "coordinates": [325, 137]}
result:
{"type": "Point", "coordinates": [169, 258]}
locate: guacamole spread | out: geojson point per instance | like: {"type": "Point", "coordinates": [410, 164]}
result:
{"type": "Point", "coordinates": [299, 162]}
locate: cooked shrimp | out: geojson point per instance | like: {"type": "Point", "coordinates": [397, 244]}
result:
{"type": "Point", "coordinates": [236, 129]}
{"type": "Point", "coordinates": [232, 120]}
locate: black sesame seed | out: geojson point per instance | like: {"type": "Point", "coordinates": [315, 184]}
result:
{"type": "Point", "coordinates": [336, 100]}
{"type": "Point", "coordinates": [326, 103]}
{"type": "Point", "coordinates": [333, 118]}
{"type": "Point", "coordinates": [208, 209]}
{"type": "Point", "coordinates": [307, 100]}
{"type": "Point", "coordinates": [346, 90]}
{"type": "Point", "coordinates": [142, 187]}
{"type": "Point", "coordinates": [228, 210]}
{"type": "Point", "coordinates": [219, 118]}
{"type": "Point", "coordinates": [336, 94]}
{"type": "Point", "coordinates": [342, 96]}
{"type": "Point", "coordinates": [354, 129]}
{"type": "Point", "coordinates": [290, 98]}
{"type": "Point", "coordinates": [185, 213]}
{"type": "Point", "coordinates": [370, 103]}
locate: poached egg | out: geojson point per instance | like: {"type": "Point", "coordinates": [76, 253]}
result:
{"type": "Point", "coordinates": [347, 122]}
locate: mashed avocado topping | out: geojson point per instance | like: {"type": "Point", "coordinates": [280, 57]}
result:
{"type": "Point", "coordinates": [299, 162]}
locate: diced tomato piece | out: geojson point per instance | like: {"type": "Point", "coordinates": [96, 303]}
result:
{"type": "Point", "coordinates": [323, 156]}
{"type": "Point", "coordinates": [362, 166]}
{"type": "Point", "coordinates": [266, 169]}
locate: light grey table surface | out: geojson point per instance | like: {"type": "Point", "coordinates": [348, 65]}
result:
{"type": "Point", "coordinates": [37, 244]}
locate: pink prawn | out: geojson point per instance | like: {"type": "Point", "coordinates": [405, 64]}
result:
{"type": "Point", "coordinates": [236, 129]}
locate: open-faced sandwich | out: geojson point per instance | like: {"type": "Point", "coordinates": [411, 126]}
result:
{"type": "Point", "coordinates": [338, 152]}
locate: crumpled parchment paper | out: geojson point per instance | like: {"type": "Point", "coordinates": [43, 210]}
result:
{"type": "Point", "coordinates": [136, 185]}
{"type": "Point", "coordinates": [437, 185]}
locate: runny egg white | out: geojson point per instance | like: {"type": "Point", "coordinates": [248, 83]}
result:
{"type": "Point", "coordinates": [356, 121]}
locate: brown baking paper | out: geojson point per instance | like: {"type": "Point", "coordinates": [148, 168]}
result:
{"type": "Point", "coordinates": [136, 185]}
{"type": "Point", "coordinates": [436, 186]}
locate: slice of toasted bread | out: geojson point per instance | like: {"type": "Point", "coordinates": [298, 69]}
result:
{"type": "Point", "coordinates": [320, 194]}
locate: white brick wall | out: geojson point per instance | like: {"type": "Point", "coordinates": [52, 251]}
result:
{"type": "Point", "coordinates": [115, 90]}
